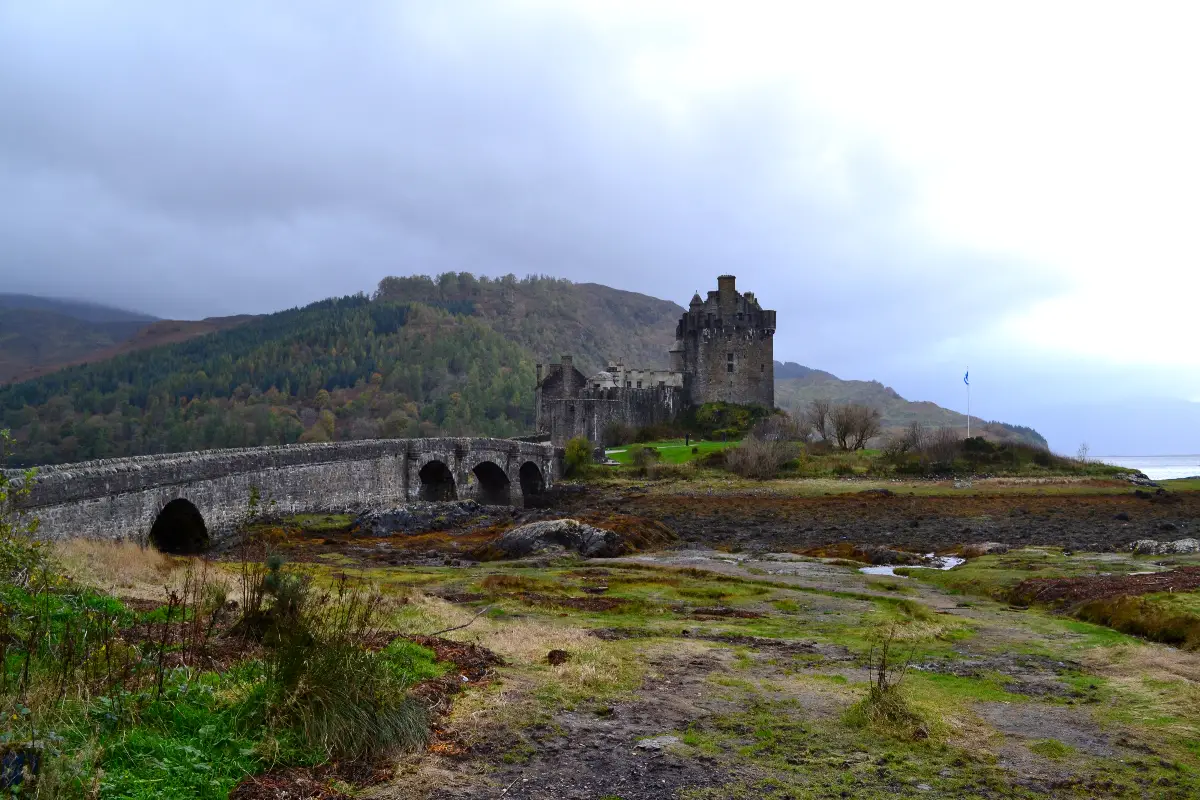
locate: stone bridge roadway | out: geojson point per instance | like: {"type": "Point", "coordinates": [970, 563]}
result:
{"type": "Point", "coordinates": [182, 501]}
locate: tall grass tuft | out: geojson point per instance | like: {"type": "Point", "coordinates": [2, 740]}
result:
{"type": "Point", "coordinates": [344, 699]}
{"type": "Point", "coordinates": [886, 707]}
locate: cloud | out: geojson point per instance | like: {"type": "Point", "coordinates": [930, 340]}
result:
{"type": "Point", "coordinates": [913, 188]}
{"type": "Point", "coordinates": [195, 162]}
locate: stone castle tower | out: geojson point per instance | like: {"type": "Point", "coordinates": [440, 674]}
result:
{"type": "Point", "coordinates": [725, 348]}
{"type": "Point", "coordinates": [724, 352]}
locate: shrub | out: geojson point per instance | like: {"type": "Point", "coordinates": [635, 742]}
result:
{"type": "Point", "coordinates": [578, 456]}
{"type": "Point", "coordinates": [886, 708]}
{"type": "Point", "coordinates": [343, 699]}
{"type": "Point", "coordinates": [22, 557]}
{"type": "Point", "coordinates": [642, 457]}
{"type": "Point", "coordinates": [758, 458]}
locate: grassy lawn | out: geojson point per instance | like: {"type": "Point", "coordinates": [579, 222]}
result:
{"type": "Point", "coordinates": [673, 451]}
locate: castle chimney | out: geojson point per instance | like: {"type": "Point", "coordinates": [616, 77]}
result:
{"type": "Point", "coordinates": [726, 286]}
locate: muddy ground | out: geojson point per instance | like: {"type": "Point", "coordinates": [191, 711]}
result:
{"type": "Point", "coordinates": [921, 523]}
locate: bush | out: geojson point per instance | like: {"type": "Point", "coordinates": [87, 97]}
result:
{"type": "Point", "coordinates": [344, 700]}
{"type": "Point", "coordinates": [758, 458]}
{"type": "Point", "coordinates": [641, 456]}
{"type": "Point", "coordinates": [578, 457]}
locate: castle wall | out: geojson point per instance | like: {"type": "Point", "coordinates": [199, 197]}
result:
{"type": "Point", "coordinates": [592, 412]}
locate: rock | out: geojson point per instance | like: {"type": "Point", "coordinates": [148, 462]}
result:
{"type": "Point", "coordinates": [1137, 479]}
{"type": "Point", "coordinates": [419, 517]}
{"type": "Point", "coordinates": [657, 743]}
{"type": "Point", "coordinates": [558, 535]}
{"type": "Point", "coordinates": [963, 484]}
{"type": "Point", "coordinates": [1151, 547]}
{"type": "Point", "coordinates": [1122, 517]}
{"type": "Point", "coordinates": [556, 657]}
{"type": "Point", "coordinates": [982, 549]}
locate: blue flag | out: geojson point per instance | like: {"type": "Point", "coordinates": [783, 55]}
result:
{"type": "Point", "coordinates": [966, 375]}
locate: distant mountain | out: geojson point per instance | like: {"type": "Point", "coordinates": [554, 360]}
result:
{"type": "Point", "coordinates": [40, 335]}
{"type": "Point", "coordinates": [803, 385]}
{"type": "Point", "coordinates": [422, 357]}
{"type": "Point", "coordinates": [75, 309]}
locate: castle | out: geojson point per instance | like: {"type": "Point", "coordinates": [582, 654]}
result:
{"type": "Point", "coordinates": [723, 352]}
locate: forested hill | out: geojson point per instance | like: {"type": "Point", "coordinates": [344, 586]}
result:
{"type": "Point", "coordinates": [452, 355]}
{"type": "Point", "coordinates": [346, 368]}
{"type": "Point", "coordinates": [550, 316]}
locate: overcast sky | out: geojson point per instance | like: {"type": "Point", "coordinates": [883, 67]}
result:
{"type": "Point", "coordinates": [916, 188]}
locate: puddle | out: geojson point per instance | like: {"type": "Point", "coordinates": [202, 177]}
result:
{"type": "Point", "coordinates": [935, 562]}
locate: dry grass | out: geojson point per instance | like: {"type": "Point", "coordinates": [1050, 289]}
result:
{"type": "Point", "coordinates": [1153, 681]}
{"type": "Point", "coordinates": [127, 570]}
{"type": "Point", "coordinates": [118, 567]}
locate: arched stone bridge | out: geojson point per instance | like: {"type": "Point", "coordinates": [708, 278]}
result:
{"type": "Point", "coordinates": [181, 500]}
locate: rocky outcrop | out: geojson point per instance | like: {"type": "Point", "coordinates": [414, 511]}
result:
{"type": "Point", "coordinates": [1136, 478]}
{"type": "Point", "coordinates": [1153, 547]}
{"type": "Point", "coordinates": [559, 536]}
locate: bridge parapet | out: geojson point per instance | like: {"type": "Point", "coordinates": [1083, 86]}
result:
{"type": "Point", "coordinates": [124, 497]}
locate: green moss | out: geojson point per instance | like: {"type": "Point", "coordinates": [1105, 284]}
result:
{"type": "Point", "coordinates": [1051, 748]}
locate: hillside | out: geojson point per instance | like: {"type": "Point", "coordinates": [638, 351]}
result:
{"type": "Point", "coordinates": [345, 368]}
{"type": "Point", "coordinates": [40, 335]}
{"type": "Point", "coordinates": [794, 393]}
{"type": "Point", "coordinates": [452, 355]}
{"type": "Point", "coordinates": [550, 317]}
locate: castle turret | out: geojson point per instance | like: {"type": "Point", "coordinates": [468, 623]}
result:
{"type": "Point", "coordinates": [727, 344]}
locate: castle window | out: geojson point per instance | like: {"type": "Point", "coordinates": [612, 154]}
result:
{"type": "Point", "coordinates": [762, 367]}
{"type": "Point", "coordinates": [729, 363]}
{"type": "Point", "coordinates": [628, 384]}
{"type": "Point", "coordinates": [639, 384]}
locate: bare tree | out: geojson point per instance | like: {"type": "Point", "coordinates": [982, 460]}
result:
{"type": "Point", "coordinates": [817, 416]}
{"type": "Point", "coordinates": [842, 421]}
{"type": "Point", "coordinates": [943, 446]}
{"type": "Point", "coordinates": [916, 436]}
{"type": "Point", "coordinates": [853, 424]}
{"type": "Point", "coordinates": [1081, 454]}
{"type": "Point", "coordinates": [781, 428]}
{"type": "Point", "coordinates": [867, 424]}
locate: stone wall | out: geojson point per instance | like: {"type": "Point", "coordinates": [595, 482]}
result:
{"type": "Point", "coordinates": [591, 412]}
{"type": "Point", "coordinates": [121, 498]}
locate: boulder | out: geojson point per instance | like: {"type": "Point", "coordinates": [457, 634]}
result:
{"type": "Point", "coordinates": [419, 517]}
{"type": "Point", "coordinates": [559, 535]}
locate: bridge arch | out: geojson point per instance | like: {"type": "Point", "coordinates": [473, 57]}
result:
{"type": "Point", "coordinates": [533, 482]}
{"type": "Point", "coordinates": [495, 488]}
{"type": "Point", "coordinates": [179, 529]}
{"type": "Point", "coordinates": [437, 481]}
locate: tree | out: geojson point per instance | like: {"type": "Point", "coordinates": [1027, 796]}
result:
{"type": "Point", "coordinates": [867, 425]}
{"type": "Point", "coordinates": [854, 424]}
{"type": "Point", "coordinates": [817, 416]}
